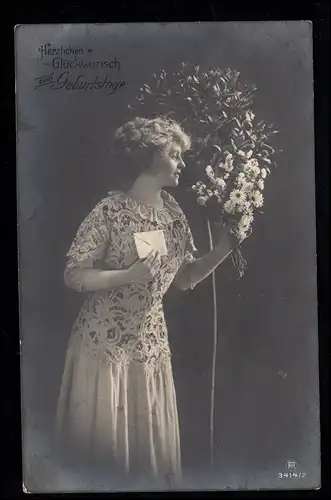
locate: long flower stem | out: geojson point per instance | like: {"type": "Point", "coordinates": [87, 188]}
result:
{"type": "Point", "coordinates": [212, 401]}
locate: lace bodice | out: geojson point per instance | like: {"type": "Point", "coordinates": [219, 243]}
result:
{"type": "Point", "coordinates": [127, 322]}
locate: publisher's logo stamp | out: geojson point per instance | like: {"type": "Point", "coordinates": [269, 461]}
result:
{"type": "Point", "coordinates": [291, 471]}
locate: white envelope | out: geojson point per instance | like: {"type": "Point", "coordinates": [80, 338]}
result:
{"type": "Point", "coordinates": [148, 240]}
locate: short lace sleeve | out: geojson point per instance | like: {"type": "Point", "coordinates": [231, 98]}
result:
{"type": "Point", "coordinates": [88, 245]}
{"type": "Point", "coordinates": [189, 257]}
{"type": "Point", "coordinates": [190, 248]}
{"type": "Point", "coordinates": [91, 237]}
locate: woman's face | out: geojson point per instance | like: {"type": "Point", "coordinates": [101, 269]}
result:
{"type": "Point", "coordinates": [167, 165]}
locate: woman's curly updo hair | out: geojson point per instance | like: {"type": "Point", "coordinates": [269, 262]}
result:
{"type": "Point", "coordinates": [137, 140]}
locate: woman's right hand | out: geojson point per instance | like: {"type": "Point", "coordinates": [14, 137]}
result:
{"type": "Point", "coordinates": [145, 269]}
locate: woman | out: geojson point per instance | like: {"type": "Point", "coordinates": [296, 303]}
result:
{"type": "Point", "coordinates": [117, 403]}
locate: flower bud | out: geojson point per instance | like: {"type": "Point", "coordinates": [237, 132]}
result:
{"type": "Point", "coordinates": [209, 170]}
{"type": "Point", "coordinates": [202, 200]}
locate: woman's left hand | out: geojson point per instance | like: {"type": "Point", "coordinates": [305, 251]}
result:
{"type": "Point", "coordinates": [223, 237]}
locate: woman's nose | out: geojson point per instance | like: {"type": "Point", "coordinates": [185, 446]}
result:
{"type": "Point", "coordinates": [182, 163]}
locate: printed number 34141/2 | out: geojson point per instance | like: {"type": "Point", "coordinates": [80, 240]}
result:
{"type": "Point", "coordinates": [291, 475]}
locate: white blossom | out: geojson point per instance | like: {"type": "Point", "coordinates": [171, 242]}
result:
{"type": "Point", "coordinates": [256, 198]}
{"type": "Point", "coordinates": [220, 182]}
{"type": "Point", "coordinates": [241, 234]}
{"type": "Point", "coordinates": [243, 182]}
{"type": "Point", "coordinates": [209, 170]}
{"type": "Point", "coordinates": [202, 200]}
{"type": "Point", "coordinates": [255, 171]}
{"type": "Point", "coordinates": [241, 177]}
{"type": "Point", "coordinates": [229, 207]}
{"type": "Point", "coordinates": [246, 221]}
{"type": "Point", "coordinates": [238, 197]}
{"type": "Point", "coordinates": [248, 187]}
{"type": "Point", "coordinates": [228, 165]}
{"type": "Point", "coordinates": [261, 184]}
{"type": "Point", "coordinates": [251, 163]}
{"type": "Point", "coordinates": [248, 208]}
{"type": "Point", "coordinates": [251, 169]}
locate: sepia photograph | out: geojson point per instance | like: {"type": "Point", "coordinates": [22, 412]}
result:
{"type": "Point", "coordinates": [167, 257]}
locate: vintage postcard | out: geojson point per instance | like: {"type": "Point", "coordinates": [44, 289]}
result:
{"type": "Point", "coordinates": [197, 370]}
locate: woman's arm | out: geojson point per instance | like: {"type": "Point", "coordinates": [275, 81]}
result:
{"type": "Point", "coordinates": [84, 278]}
{"type": "Point", "coordinates": [88, 248]}
{"type": "Point", "coordinates": [196, 271]}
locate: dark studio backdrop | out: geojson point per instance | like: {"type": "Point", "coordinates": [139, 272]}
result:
{"type": "Point", "coordinates": [267, 372]}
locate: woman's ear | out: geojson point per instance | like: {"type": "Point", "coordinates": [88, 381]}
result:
{"type": "Point", "coordinates": [154, 165]}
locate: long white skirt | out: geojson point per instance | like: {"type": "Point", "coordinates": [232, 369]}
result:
{"type": "Point", "coordinates": [122, 418]}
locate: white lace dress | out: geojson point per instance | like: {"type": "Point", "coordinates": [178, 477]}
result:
{"type": "Point", "coordinates": [117, 403]}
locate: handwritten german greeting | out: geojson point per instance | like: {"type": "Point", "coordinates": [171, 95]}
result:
{"type": "Point", "coordinates": [75, 69]}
